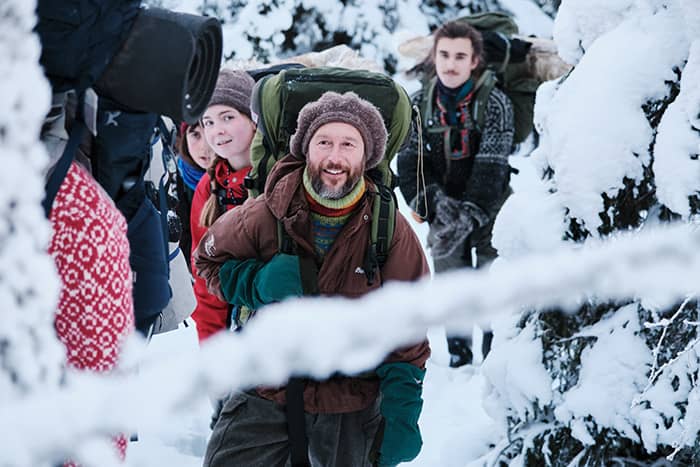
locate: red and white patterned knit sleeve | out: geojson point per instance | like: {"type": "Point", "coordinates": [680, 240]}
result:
{"type": "Point", "coordinates": [91, 250]}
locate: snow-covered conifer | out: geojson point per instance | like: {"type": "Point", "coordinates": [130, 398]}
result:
{"type": "Point", "coordinates": [619, 143]}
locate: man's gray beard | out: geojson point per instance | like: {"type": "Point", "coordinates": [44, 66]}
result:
{"type": "Point", "coordinates": [329, 193]}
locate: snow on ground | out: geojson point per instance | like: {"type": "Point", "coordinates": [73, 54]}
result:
{"type": "Point", "coordinates": [181, 439]}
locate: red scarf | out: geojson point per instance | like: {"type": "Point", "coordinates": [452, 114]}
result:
{"type": "Point", "coordinates": [456, 137]}
{"type": "Point", "coordinates": [229, 187]}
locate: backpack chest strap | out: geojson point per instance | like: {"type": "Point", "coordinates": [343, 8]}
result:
{"type": "Point", "coordinates": [224, 200]}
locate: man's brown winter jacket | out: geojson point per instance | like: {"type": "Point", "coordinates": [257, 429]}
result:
{"type": "Point", "coordinates": [251, 232]}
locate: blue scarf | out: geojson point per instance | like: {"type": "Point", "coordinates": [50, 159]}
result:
{"type": "Point", "coordinates": [190, 174]}
{"type": "Point", "coordinates": [450, 97]}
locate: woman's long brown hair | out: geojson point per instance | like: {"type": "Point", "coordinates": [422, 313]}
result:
{"type": "Point", "coordinates": [211, 210]}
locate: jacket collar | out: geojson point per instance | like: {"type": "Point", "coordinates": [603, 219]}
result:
{"type": "Point", "coordinates": [283, 182]}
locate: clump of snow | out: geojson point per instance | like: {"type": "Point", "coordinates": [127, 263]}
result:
{"type": "Point", "coordinates": [692, 422]}
{"type": "Point", "coordinates": [30, 355]}
{"type": "Point", "coordinates": [676, 164]}
{"type": "Point", "coordinates": [597, 133]}
{"type": "Point", "coordinates": [531, 219]}
{"type": "Point", "coordinates": [613, 371]}
{"type": "Point", "coordinates": [691, 17]}
{"type": "Point", "coordinates": [518, 381]}
{"type": "Point", "coordinates": [579, 23]}
{"type": "Point", "coordinates": [530, 18]}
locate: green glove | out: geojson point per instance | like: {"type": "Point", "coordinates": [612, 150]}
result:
{"type": "Point", "coordinates": [236, 278]}
{"type": "Point", "coordinates": [278, 279]}
{"type": "Point", "coordinates": [253, 284]}
{"type": "Point", "coordinates": [401, 385]}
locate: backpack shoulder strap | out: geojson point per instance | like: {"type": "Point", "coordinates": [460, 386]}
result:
{"type": "Point", "coordinates": [254, 182]}
{"type": "Point", "coordinates": [62, 166]}
{"type": "Point", "coordinates": [426, 103]}
{"type": "Point", "coordinates": [294, 391]}
{"type": "Point", "coordinates": [484, 86]}
{"type": "Point", "coordinates": [382, 231]}
{"type": "Point", "coordinates": [166, 180]}
{"type": "Point", "coordinates": [285, 243]}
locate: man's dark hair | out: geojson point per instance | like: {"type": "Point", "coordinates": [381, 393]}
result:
{"type": "Point", "coordinates": [181, 142]}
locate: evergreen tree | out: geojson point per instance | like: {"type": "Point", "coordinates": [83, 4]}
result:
{"type": "Point", "coordinates": [621, 375]}
{"type": "Point", "coordinates": [274, 29]}
{"type": "Point", "coordinates": [549, 6]}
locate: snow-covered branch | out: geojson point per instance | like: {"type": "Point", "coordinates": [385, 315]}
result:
{"type": "Point", "coordinates": [319, 336]}
{"type": "Point", "coordinates": [30, 355]}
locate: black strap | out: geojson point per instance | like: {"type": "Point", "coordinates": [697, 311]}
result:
{"type": "Point", "coordinates": [385, 208]}
{"type": "Point", "coordinates": [382, 232]}
{"type": "Point", "coordinates": [296, 424]}
{"type": "Point", "coordinates": [53, 184]}
{"type": "Point", "coordinates": [224, 200]}
{"type": "Point", "coordinates": [285, 243]}
{"type": "Point", "coordinates": [167, 157]}
{"type": "Point", "coordinates": [309, 275]}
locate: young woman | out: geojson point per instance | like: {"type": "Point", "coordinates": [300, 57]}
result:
{"type": "Point", "coordinates": [195, 157]}
{"type": "Point", "coordinates": [229, 130]}
{"type": "Point", "coordinates": [465, 170]}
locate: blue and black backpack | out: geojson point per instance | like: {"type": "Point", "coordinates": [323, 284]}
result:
{"type": "Point", "coordinates": [115, 68]}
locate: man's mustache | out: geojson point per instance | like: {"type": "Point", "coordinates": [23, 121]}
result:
{"type": "Point", "coordinates": [336, 166]}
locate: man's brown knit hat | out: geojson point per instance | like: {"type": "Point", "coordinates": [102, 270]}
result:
{"type": "Point", "coordinates": [346, 108]}
{"type": "Point", "coordinates": [233, 88]}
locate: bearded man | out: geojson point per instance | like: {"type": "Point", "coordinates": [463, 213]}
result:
{"type": "Point", "coordinates": [321, 197]}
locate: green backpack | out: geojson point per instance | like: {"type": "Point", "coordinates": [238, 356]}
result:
{"type": "Point", "coordinates": [277, 99]}
{"type": "Point", "coordinates": [506, 67]}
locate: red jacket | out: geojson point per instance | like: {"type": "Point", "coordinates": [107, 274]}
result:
{"type": "Point", "coordinates": [210, 312]}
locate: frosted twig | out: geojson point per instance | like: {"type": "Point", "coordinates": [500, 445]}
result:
{"type": "Point", "coordinates": [626, 461]}
{"type": "Point", "coordinates": [679, 444]}
{"type": "Point", "coordinates": [575, 461]}
{"type": "Point", "coordinates": [679, 448]}
{"type": "Point", "coordinates": [654, 376]}
{"type": "Point", "coordinates": [666, 323]}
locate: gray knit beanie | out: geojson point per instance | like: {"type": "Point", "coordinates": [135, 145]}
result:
{"type": "Point", "coordinates": [346, 108]}
{"type": "Point", "coordinates": [233, 88]}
